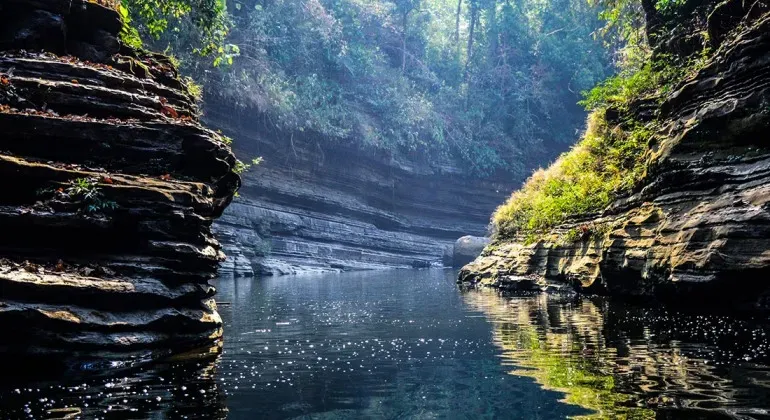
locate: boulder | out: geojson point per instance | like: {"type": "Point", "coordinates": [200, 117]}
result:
{"type": "Point", "coordinates": [467, 249]}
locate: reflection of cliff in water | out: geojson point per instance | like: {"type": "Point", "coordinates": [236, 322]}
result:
{"type": "Point", "coordinates": [183, 387]}
{"type": "Point", "coordinates": [631, 362]}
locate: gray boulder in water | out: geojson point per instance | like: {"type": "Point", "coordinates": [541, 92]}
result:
{"type": "Point", "coordinates": [467, 249]}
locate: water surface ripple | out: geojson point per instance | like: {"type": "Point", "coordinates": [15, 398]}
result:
{"type": "Point", "coordinates": [409, 344]}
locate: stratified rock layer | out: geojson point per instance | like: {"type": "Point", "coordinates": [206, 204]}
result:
{"type": "Point", "coordinates": [315, 206]}
{"type": "Point", "coordinates": [111, 189]}
{"type": "Point", "coordinates": [700, 227]}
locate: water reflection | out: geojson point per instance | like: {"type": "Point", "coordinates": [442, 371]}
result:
{"type": "Point", "coordinates": [390, 345]}
{"type": "Point", "coordinates": [628, 362]}
{"type": "Point", "coordinates": [409, 344]}
{"type": "Point", "coordinates": [183, 387]}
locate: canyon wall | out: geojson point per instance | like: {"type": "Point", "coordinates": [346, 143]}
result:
{"type": "Point", "coordinates": [698, 229]}
{"type": "Point", "coordinates": [313, 206]}
{"type": "Point", "coordinates": [111, 189]}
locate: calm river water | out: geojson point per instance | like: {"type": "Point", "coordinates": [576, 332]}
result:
{"type": "Point", "coordinates": [409, 344]}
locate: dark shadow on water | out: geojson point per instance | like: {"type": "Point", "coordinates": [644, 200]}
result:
{"type": "Point", "coordinates": [112, 386]}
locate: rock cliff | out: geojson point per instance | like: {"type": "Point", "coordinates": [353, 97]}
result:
{"type": "Point", "coordinates": [699, 226]}
{"type": "Point", "coordinates": [312, 206]}
{"type": "Point", "coordinates": [111, 188]}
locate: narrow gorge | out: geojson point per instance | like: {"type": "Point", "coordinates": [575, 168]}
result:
{"type": "Point", "coordinates": [385, 209]}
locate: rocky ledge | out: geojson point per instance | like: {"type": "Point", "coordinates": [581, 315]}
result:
{"type": "Point", "coordinates": [699, 227]}
{"type": "Point", "coordinates": [111, 189]}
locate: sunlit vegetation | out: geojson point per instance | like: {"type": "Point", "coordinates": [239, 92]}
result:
{"type": "Point", "coordinates": [607, 161]}
{"type": "Point", "coordinates": [241, 167]}
{"type": "Point", "coordinates": [612, 156]}
{"type": "Point", "coordinates": [206, 23]}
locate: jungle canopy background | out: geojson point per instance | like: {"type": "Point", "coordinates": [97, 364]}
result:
{"type": "Point", "coordinates": [493, 84]}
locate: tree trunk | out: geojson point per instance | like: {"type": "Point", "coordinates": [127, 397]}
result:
{"type": "Point", "coordinates": [652, 21]}
{"type": "Point", "coordinates": [457, 22]}
{"type": "Point", "coordinates": [470, 38]}
{"type": "Point", "coordinates": [493, 36]}
{"type": "Point", "coordinates": [403, 42]}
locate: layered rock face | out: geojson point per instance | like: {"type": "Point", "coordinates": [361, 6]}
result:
{"type": "Point", "coordinates": [111, 188]}
{"type": "Point", "coordinates": [700, 225]}
{"type": "Point", "coordinates": [311, 206]}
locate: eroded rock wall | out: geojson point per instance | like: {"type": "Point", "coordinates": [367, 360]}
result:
{"type": "Point", "coordinates": [699, 229]}
{"type": "Point", "coordinates": [324, 207]}
{"type": "Point", "coordinates": [111, 189]}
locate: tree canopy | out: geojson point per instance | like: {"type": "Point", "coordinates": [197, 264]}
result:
{"type": "Point", "coordinates": [204, 22]}
{"type": "Point", "coordinates": [491, 83]}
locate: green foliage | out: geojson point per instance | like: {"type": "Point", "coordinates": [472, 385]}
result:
{"type": "Point", "coordinates": [395, 76]}
{"type": "Point", "coordinates": [205, 24]}
{"type": "Point", "coordinates": [241, 167]}
{"type": "Point", "coordinates": [129, 35]}
{"type": "Point", "coordinates": [610, 160]}
{"type": "Point", "coordinates": [225, 139]}
{"type": "Point", "coordinates": [654, 79]}
{"type": "Point", "coordinates": [619, 90]}
{"type": "Point", "coordinates": [669, 6]}
{"type": "Point", "coordinates": [87, 192]}
{"type": "Point", "coordinates": [606, 162]}
{"type": "Point", "coordinates": [194, 88]}
{"type": "Point", "coordinates": [585, 231]}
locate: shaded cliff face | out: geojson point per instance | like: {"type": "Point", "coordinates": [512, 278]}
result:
{"type": "Point", "coordinates": [321, 207]}
{"type": "Point", "coordinates": [112, 186]}
{"type": "Point", "coordinates": [700, 224]}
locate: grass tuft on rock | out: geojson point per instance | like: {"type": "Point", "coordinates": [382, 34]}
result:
{"type": "Point", "coordinates": [608, 161]}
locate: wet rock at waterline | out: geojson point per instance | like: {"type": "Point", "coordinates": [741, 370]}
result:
{"type": "Point", "coordinates": [698, 229]}
{"type": "Point", "coordinates": [112, 189]}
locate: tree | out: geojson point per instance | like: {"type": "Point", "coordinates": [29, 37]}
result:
{"type": "Point", "coordinates": [457, 25]}
{"type": "Point", "coordinates": [404, 8]}
{"type": "Point", "coordinates": [391, 75]}
{"type": "Point", "coordinates": [471, 30]}
{"type": "Point", "coordinates": [147, 20]}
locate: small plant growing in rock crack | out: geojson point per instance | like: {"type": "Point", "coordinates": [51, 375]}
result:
{"type": "Point", "coordinates": [8, 92]}
{"type": "Point", "coordinates": [241, 167]}
{"type": "Point", "coordinates": [87, 191]}
{"type": "Point", "coordinates": [585, 232]}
